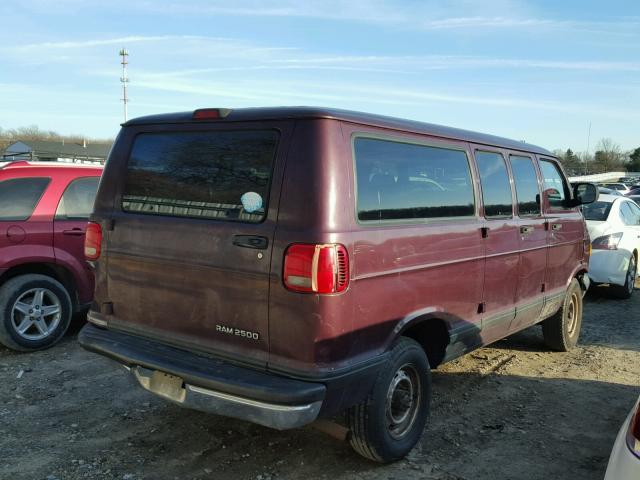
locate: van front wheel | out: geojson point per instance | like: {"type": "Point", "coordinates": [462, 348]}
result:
{"type": "Point", "coordinates": [389, 423]}
{"type": "Point", "coordinates": [561, 331]}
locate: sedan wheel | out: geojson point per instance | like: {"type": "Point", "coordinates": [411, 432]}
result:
{"type": "Point", "coordinates": [626, 291]}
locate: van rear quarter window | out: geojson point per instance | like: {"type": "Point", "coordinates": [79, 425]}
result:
{"type": "Point", "coordinates": [397, 181]}
{"type": "Point", "coordinates": [223, 175]}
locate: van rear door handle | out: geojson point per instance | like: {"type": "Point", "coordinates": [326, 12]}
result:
{"type": "Point", "coordinates": [526, 229]}
{"type": "Point", "coordinates": [556, 226]}
{"type": "Point", "coordinates": [251, 241]}
{"type": "Point", "coordinates": [74, 231]}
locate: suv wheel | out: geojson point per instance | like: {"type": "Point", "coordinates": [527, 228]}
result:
{"type": "Point", "coordinates": [389, 423]}
{"type": "Point", "coordinates": [35, 312]}
{"type": "Point", "coordinates": [561, 331]}
{"type": "Point", "coordinates": [625, 291]}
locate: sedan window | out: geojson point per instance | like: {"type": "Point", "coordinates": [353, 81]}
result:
{"type": "Point", "coordinates": [598, 211]}
{"type": "Point", "coordinates": [628, 215]}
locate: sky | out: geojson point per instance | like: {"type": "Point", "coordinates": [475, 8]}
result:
{"type": "Point", "coordinates": [540, 71]}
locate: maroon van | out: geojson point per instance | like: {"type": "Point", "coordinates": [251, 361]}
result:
{"type": "Point", "coordinates": [283, 264]}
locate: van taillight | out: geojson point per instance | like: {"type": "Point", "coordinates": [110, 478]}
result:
{"type": "Point", "coordinates": [316, 268]}
{"type": "Point", "coordinates": [93, 241]}
{"type": "Point", "coordinates": [211, 113]}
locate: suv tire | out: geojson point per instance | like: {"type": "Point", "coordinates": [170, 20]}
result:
{"type": "Point", "coordinates": [561, 331]}
{"type": "Point", "coordinates": [389, 423]}
{"type": "Point", "coordinates": [35, 312]}
{"type": "Point", "coordinates": [625, 291]}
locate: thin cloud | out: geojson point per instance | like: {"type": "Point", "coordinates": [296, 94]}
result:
{"type": "Point", "coordinates": [107, 41]}
{"type": "Point", "coordinates": [345, 95]}
{"type": "Point", "coordinates": [459, 62]}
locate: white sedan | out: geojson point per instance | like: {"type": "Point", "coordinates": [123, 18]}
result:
{"type": "Point", "coordinates": [614, 227]}
{"type": "Point", "coordinates": [624, 462]}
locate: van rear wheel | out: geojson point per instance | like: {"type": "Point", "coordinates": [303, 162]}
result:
{"type": "Point", "coordinates": [562, 330]}
{"type": "Point", "coordinates": [389, 423]}
{"type": "Point", "coordinates": [35, 312]}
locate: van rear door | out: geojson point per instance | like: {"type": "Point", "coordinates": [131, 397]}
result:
{"type": "Point", "coordinates": [189, 252]}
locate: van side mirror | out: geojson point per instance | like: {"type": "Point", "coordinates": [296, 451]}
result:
{"type": "Point", "coordinates": [583, 193]}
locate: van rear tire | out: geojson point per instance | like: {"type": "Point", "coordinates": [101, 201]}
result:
{"type": "Point", "coordinates": [561, 331]}
{"type": "Point", "coordinates": [35, 312]}
{"type": "Point", "coordinates": [389, 423]}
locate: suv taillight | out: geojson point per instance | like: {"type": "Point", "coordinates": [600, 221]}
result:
{"type": "Point", "coordinates": [316, 268]}
{"type": "Point", "coordinates": [607, 242]}
{"type": "Point", "coordinates": [633, 435]}
{"type": "Point", "coordinates": [93, 241]}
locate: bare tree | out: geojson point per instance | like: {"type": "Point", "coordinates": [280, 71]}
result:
{"type": "Point", "coordinates": [609, 156]}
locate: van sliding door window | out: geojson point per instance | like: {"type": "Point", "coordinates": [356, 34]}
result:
{"type": "Point", "coordinates": [405, 181]}
{"type": "Point", "coordinates": [222, 175]}
{"type": "Point", "coordinates": [527, 189]}
{"type": "Point", "coordinates": [496, 188]}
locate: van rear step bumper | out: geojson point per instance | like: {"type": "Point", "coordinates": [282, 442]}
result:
{"type": "Point", "coordinates": [209, 384]}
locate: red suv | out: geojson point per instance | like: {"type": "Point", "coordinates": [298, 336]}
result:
{"type": "Point", "coordinates": [44, 278]}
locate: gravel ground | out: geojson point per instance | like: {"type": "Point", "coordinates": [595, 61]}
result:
{"type": "Point", "coordinates": [509, 411]}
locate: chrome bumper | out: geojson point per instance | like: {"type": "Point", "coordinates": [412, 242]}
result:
{"type": "Point", "coordinates": [272, 415]}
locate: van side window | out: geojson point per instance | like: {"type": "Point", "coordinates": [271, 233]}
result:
{"type": "Point", "coordinates": [554, 184]}
{"type": "Point", "coordinates": [19, 197]}
{"type": "Point", "coordinates": [527, 189]}
{"type": "Point", "coordinates": [398, 180]}
{"type": "Point", "coordinates": [496, 188]}
{"type": "Point", "coordinates": [222, 175]}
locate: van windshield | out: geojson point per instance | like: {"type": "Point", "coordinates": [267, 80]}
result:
{"type": "Point", "coordinates": [222, 175]}
{"type": "Point", "coordinates": [598, 211]}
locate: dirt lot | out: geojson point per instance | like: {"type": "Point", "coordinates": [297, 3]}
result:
{"type": "Point", "coordinates": [511, 411]}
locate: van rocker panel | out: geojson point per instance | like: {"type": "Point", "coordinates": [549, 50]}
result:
{"type": "Point", "coordinates": [225, 387]}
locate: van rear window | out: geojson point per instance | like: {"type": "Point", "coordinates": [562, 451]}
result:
{"type": "Point", "coordinates": [398, 181]}
{"type": "Point", "coordinates": [223, 175]}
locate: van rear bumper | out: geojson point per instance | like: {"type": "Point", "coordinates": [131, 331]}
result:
{"type": "Point", "coordinates": [209, 384]}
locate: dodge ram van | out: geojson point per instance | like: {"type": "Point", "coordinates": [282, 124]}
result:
{"type": "Point", "coordinates": [279, 265]}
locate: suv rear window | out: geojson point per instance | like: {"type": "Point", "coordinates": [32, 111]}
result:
{"type": "Point", "coordinates": [223, 175]}
{"type": "Point", "coordinates": [19, 197]}
{"type": "Point", "coordinates": [410, 181]}
{"type": "Point", "coordinates": [77, 200]}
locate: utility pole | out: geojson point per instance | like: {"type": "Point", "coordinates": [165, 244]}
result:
{"type": "Point", "coordinates": [124, 53]}
{"type": "Point", "coordinates": [586, 157]}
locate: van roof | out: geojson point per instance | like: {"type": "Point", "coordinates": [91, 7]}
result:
{"type": "Point", "coordinates": [278, 113]}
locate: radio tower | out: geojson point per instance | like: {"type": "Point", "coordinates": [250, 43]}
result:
{"type": "Point", "coordinates": [124, 53]}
